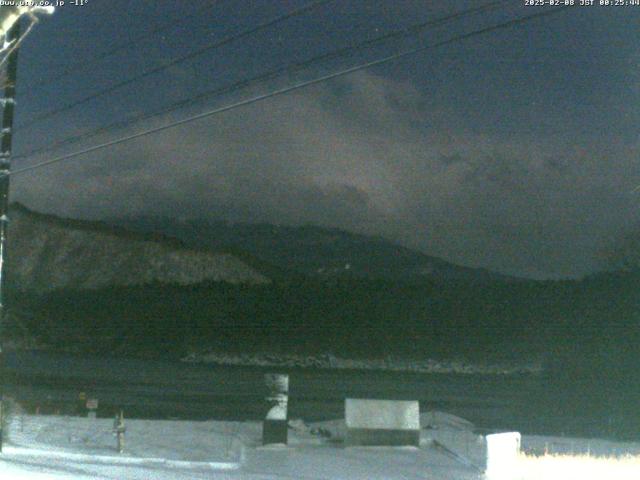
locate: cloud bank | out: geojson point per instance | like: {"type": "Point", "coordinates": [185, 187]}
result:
{"type": "Point", "coordinates": [377, 156]}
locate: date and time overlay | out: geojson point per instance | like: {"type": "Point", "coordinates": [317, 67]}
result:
{"type": "Point", "coordinates": [581, 3]}
{"type": "Point", "coordinates": [526, 3]}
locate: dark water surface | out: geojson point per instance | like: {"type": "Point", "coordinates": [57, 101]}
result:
{"type": "Point", "coordinates": [531, 404]}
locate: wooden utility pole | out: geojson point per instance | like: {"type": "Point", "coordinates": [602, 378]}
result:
{"type": "Point", "coordinates": [6, 135]}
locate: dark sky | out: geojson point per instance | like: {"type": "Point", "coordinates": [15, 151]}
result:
{"type": "Point", "coordinates": [516, 150]}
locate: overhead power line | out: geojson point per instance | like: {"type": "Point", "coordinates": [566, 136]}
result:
{"type": "Point", "coordinates": [291, 88]}
{"type": "Point", "coordinates": [73, 68]}
{"type": "Point", "coordinates": [285, 70]}
{"type": "Point", "coordinates": [147, 73]}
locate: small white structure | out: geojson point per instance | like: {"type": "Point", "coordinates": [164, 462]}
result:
{"type": "Point", "coordinates": [502, 455]}
{"type": "Point", "coordinates": [382, 422]}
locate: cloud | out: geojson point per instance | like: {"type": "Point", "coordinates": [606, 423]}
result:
{"type": "Point", "coordinates": [370, 154]}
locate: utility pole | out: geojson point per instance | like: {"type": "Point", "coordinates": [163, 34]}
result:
{"type": "Point", "coordinates": [6, 135]}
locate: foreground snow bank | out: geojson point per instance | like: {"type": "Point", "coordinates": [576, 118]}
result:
{"type": "Point", "coordinates": [583, 467]}
{"type": "Point", "coordinates": [146, 441]}
{"type": "Point", "coordinates": [63, 448]}
{"type": "Point", "coordinates": [388, 363]}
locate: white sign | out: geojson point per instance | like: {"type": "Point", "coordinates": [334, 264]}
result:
{"type": "Point", "coordinates": [92, 404]}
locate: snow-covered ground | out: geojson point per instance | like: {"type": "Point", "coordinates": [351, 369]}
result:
{"type": "Point", "coordinates": [386, 364]}
{"type": "Point", "coordinates": [65, 448]}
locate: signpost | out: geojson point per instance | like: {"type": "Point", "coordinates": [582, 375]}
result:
{"type": "Point", "coordinates": [119, 429]}
{"type": "Point", "coordinates": [92, 407]}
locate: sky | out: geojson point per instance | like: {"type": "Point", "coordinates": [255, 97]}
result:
{"type": "Point", "coordinates": [516, 150]}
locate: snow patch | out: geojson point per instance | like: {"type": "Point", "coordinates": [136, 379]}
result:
{"type": "Point", "coordinates": [330, 361]}
{"type": "Point", "coordinates": [66, 448]}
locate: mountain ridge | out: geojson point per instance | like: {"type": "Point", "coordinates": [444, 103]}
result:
{"type": "Point", "coordinates": [312, 250]}
{"type": "Point", "coordinates": [47, 252]}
